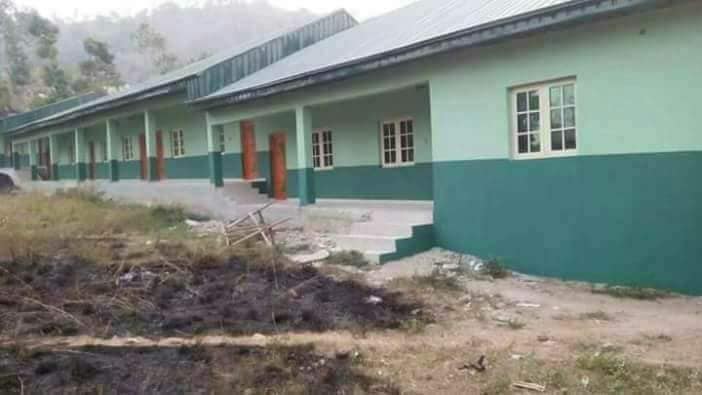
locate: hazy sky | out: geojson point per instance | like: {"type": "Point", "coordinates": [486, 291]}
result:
{"type": "Point", "coordinates": [361, 9]}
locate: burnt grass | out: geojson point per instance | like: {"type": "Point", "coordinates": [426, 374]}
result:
{"type": "Point", "coordinates": [184, 370]}
{"type": "Point", "coordinates": [67, 297]}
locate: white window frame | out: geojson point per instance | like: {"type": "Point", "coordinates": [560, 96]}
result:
{"type": "Point", "coordinates": [177, 143]}
{"type": "Point", "coordinates": [222, 137]}
{"type": "Point", "coordinates": [322, 150]}
{"type": "Point", "coordinates": [128, 148]}
{"type": "Point", "coordinates": [545, 130]}
{"type": "Point", "coordinates": [398, 143]}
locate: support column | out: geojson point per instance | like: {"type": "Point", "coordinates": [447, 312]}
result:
{"type": "Point", "coordinates": [150, 134]}
{"type": "Point", "coordinates": [111, 142]}
{"type": "Point", "coordinates": [305, 170]}
{"type": "Point", "coordinates": [33, 156]}
{"type": "Point", "coordinates": [53, 156]}
{"type": "Point", "coordinates": [15, 158]}
{"type": "Point", "coordinates": [80, 155]}
{"type": "Point", "coordinates": [214, 154]}
{"type": "Point", "coordinates": [4, 160]}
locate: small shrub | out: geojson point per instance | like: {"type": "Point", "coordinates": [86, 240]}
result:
{"type": "Point", "coordinates": [631, 292]}
{"type": "Point", "coordinates": [348, 258]}
{"type": "Point", "coordinates": [495, 268]}
{"type": "Point", "coordinates": [168, 215]}
{"type": "Point", "coordinates": [438, 281]}
{"type": "Point", "coordinates": [515, 324]}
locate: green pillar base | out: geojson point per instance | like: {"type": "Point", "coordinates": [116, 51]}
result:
{"type": "Point", "coordinates": [35, 173]}
{"type": "Point", "coordinates": [16, 160]}
{"type": "Point", "coordinates": [55, 172]}
{"type": "Point", "coordinates": [3, 161]}
{"type": "Point", "coordinates": [114, 170]}
{"type": "Point", "coordinates": [305, 185]}
{"type": "Point", "coordinates": [216, 178]}
{"type": "Point", "coordinates": [81, 172]}
{"type": "Point", "coordinates": [151, 173]}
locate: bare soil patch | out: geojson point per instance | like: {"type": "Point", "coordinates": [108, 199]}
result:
{"type": "Point", "coordinates": [67, 296]}
{"type": "Point", "coordinates": [185, 370]}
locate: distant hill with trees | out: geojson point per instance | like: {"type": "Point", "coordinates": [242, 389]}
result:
{"type": "Point", "coordinates": [43, 60]}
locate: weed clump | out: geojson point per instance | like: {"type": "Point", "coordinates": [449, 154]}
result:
{"type": "Point", "coordinates": [631, 292]}
{"type": "Point", "coordinates": [348, 258]}
{"type": "Point", "coordinates": [495, 269]}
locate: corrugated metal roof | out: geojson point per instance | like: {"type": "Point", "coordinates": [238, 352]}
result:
{"type": "Point", "coordinates": [18, 120]}
{"type": "Point", "coordinates": [175, 80]}
{"type": "Point", "coordinates": [416, 23]}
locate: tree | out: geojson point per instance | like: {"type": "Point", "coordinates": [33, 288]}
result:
{"type": "Point", "coordinates": [18, 63]}
{"type": "Point", "coordinates": [98, 73]}
{"type": "Point", "coordinates": [153, 44]}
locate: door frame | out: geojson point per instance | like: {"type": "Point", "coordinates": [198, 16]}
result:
{"type": "Point", "coordinates": [142, 156]}
{"type": "Point", "coordinates": [249, 162]}
{"type": "Point", "coordinates": [160, 157]}
{"type": "Point", "coordinates": [92, 166]}
{"type": "Point", "coordinates": [279, 168]}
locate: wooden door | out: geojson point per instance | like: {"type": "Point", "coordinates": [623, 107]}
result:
{"type": "Point", "coordinates": [142, 155]}
{"type": "Point", "coordinates": [279, 172]}
{"type": "Point", "coordinates": [248, 150]}
{"type": "Point", "coordinates": [160, 159]}
{"type": "Point", "coordinates": [91, 163]}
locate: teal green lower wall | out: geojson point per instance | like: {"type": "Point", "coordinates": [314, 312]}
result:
{"type": "Point", "coordinates": [114, 170]}
{"type": "Point", "coordinates": [67, 172]}
{"type": "Point", "coordinates": [370, 182]}
{"type": "Point", "coordinates": [24, 161]}
{"type": "Point", "coordinates": [619, 219]}
{"type": "Point", "coordinates": [102, 171]}
{"type": "Point", "coordinates": [129, 170]}
{"type": "Point", "coordinates": [4, 162]}
{"type": "Point", "coordinates": [231, 166]}
{"type": "Point", "coordinates": [187, 167]}
{"type": "Point", "coordinates": [422, 239]}
{"type": "Point", "coordinates": [374, 182]}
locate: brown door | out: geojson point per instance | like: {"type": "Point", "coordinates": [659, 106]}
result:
{"type": "Point", "coordinates": [248, 150]}
{"type": "Point", "coordinates": [142, 155]}
{"type": "Point", "coordinates": [91, 165]}
{"type": "Point", "coordinates": [160, 160]}
{"type": "Point", "coordinates": [279, 173]}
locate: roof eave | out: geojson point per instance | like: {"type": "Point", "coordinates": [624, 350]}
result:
{"type": "Point", "coordinates": [160, 90]}
{"type": "Point", "coordinates": [540, 20]}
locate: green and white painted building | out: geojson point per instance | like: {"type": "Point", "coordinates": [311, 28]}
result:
{"type": "Point", "coordinates": [559, 135]}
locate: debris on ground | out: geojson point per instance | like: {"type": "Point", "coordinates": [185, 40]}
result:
{"type": "Point", "coordinates": [529, 386]}
{"type": "Point", "coordinates": [309, 258]}
{"type": "Point", "coordinates": [479, 366]}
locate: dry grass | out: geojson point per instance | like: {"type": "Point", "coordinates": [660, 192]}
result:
{"type": "Point", "coordinates": [589, 372]}
{"type": "Point", "coordinates": [81, 223]}
{"type": "Point", "coordinates": [632, 292]}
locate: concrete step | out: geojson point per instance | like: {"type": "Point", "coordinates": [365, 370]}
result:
{"type": "Point", "coordinates": [409, 217]}
{"type": "Point", "coordinates": [374, 228]}
{"type": "Point", "coordinates": [375, 257]}
{"type": "Point", "coordinates": [242, 192]}
{"type": "Point", "coordinates": [364, 243]}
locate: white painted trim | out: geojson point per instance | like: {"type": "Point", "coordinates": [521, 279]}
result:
{"type": "Point", "coordinates": [398, 142]}
{"type": "Point", "coordinates": [545, 120]}
{"type": "Point", "coordinates": [320, 132]}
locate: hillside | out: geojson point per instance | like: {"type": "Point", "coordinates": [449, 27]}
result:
{"type": "Point", "coordinates": [191, 32]}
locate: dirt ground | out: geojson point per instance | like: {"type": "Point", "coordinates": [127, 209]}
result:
{"type": "Point", "coordinates": [133, 313]}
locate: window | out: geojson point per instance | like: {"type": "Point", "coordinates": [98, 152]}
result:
{"type": "Point", "coordinates": [544, 120]}
{"type": "Point", "coordinates": [322, 152]}
{"type": "Point", "coordinates": [222, 140]}
{"type": "Point", "coordinates": [398, 142]}
{"type": "Point", "coordinates": [71, 153]}
{"type": "Point", "coordinates": [177, 143]}
{"type": "Point", "coordinates": [128, 148]}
